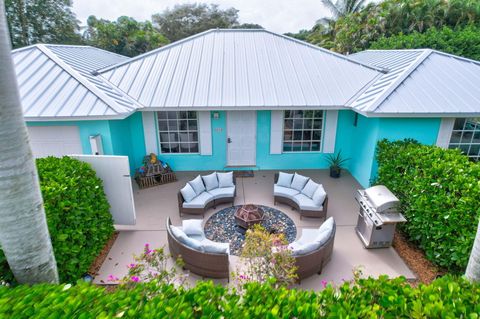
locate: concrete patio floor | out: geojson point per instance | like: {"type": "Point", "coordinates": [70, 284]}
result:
{"type": "Point", "coordinates": [153, 205]}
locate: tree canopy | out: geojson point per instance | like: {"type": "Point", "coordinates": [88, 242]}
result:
{"type": "Point", "coordinates": [125, 36]}
{"type": "Point", "coordinates": [464, 41]}
{"type": "Point", "coordinates": [188, 19]}
{"type": "Point", "coordinates": [33, 21]}
{"type": "Point", "coordinates": [356, 31]}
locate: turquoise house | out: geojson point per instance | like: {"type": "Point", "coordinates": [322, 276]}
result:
{"type": "Point", "coordinates": [246, 99]}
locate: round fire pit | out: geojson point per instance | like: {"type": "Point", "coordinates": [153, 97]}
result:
{"type": "Point", "coordinates": [248, 215]}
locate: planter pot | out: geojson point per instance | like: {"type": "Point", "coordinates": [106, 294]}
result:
{"type": "Point", "coordinates": [335, 172]}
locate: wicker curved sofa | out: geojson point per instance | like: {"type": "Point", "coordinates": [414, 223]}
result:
{"type": "Point", "coordinates": [313, 262]}
{"type": "Point", "coordinates": [321, 213]}
{"type": "Point", "coordinates": [215, 200]}
{"type": "Point", "coordinates": [211, 265]}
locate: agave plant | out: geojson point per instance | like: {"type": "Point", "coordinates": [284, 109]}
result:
{"type": "Point", "coordinates": [336, 161]}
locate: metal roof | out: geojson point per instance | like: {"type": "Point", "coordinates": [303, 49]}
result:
{"type": "Point", "coordinates": [235, 69]}
{"type": "Point", "coordinates": [420, 82]}
{"type": "Point", "coordinates": [55, 83]}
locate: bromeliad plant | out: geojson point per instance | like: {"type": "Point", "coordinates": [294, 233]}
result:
{"type": "Point", "coordinates": [336, 161]}
{"type": "Point", "coordinates": [266, 256]}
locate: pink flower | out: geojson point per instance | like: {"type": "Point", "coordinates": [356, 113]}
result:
{"type": "Point", "coordinates": [112, 278]}
{"type": "Point", "coordinates": [135, 279]}
{"type": "Point", "coordinates": [132, 265]}
{"type": "Point", "coordinates": [324, 283]}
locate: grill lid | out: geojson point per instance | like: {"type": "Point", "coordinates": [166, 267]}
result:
{"type": "Point", "coordinates": [381, 198]}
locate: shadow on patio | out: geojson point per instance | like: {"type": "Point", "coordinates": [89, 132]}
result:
{"type": "Point", "coordinates": [153, 205]}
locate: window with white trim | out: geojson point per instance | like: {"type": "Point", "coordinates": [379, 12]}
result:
{"type": "Point", "coordinates": [466, 137]}
{"type": "Point", "coordinates": [178, 131]}
{"type": "Point", "coordinates": [302, 130]}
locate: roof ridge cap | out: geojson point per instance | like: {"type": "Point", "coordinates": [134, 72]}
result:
{"type": "Point", "coordinates": [81, 79]}
{"type": "Point", "coordinates": [405, 74]}
{"type": "Point", "coordinates": [154, 51]}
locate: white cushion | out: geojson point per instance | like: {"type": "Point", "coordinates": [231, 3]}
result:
{"type": "Point", "coordinates": [299, 182]}
{"type": "Point", "coordinates": [216, 248]}
{"type": "Point", "coordinates": [200, 201]}
{"type": "Point", "coordinates": [223, 192]}
{"type": "Point", "coordinates": [197, 185]}
{"type": "Point", "coordinates": [192, 227]}
{"type": "Point", "coordinates": [327, 226]}
{"type": "Point", "coordinates": [284, 191]}
{"type": "Point", "coordinates": [180, 235]}
{"type": "Point", "coordinates": [303, 249]}
{"type": "Point", "coordinates": [308, 235]}
{"type": "Point", "coordinates": [319, 196]}
{"type": "Point", "coordinates": [211, 181]}
{"type": "Point", "coordinates": [306, 203]}
{"type": "Point", "coordinates": [188, 193]}
{"type": "Point", "coordinates": [310, 188]}
{"type": "Point", "coordinates": [225, 179]}
{"type": "Point", "coordinates": [284, 179]}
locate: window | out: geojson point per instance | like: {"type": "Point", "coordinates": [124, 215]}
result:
{"type": "Point", "coordinates": [466, 137]}
{"type": "Point", "coordinates": [302, 131]}
{"type": "Point", "coordinates": [178, 131]}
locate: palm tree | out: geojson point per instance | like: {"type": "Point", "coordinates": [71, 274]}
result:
{"type": "Point", "coordinates": [473, 268]}
{"type": "Point", "coordinates": [24, 235]}
{"type": "Point", "coordinates": [343, 7]}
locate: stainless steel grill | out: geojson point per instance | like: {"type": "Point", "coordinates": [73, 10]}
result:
{"type": "Point", "coordinates": [377, 216]}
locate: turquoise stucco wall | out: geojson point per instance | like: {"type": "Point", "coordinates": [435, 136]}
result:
{"type": "Point", "coordinates": [126, 137]}
{"type": "Point", "coordinates": [364, 137]}
{"type": "Point", "coordinates": [194, 162]}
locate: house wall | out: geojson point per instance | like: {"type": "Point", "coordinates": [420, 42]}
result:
{"type": "Point", "coordinates": [364, 137]}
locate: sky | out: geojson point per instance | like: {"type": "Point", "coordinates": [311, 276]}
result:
{"type": "Point", "coordinates": [279, 16]}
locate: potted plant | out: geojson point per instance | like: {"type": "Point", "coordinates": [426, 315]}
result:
{"type": "Point", "coordinates": [336, 162]}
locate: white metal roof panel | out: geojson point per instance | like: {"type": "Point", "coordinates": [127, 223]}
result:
{"type": "Point", "coordinates": [55, 83]}
{"type": "Point", "coordinates": [236, 69]}
{"type": "Point", "coordinates": [420, 82]}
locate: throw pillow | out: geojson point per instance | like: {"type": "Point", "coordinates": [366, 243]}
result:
{"type": "Point", "coordinates": [197, 185]}
{"type": "Point", "coordinates": [180, 235]}
{"type": "Point", "coordinates": [225, 179]}
{"type": "Point", "coordinates": [310, 188]}
{"type": "Point", "coordinates": [299, 182]}
{"type": "Point", "coordinates": [188, 193]}
{"type": "Point", "coordinates": [284, 179]}
{"type": "Point", "coordinates": [216, 248]}
{"type": "Point", "coordinates": [319, 196]}
{"type": "Point", "coordinates": [210, 181]}
{"type": "Point", "coordinates": [192, 227]}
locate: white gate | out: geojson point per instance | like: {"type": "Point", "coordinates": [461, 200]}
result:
{"type": "Point", "coordinates": [115, 173]}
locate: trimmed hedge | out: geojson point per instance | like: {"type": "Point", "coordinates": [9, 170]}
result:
{"type": "Point", "coordinates": [368, 298]}
{"type": "Point", "coordinates": [439, 192]}
{"type": "Point", "coordinates": [77, 212]}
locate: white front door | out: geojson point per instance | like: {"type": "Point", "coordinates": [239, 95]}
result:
{"type": "Point", "coordinates": [114, 171]}
{"type": "Point", "coordinates": [241, 138]}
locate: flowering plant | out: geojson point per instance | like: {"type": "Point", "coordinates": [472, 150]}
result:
{"type": "Point", "coordinates": [151, 266]}
{"type": "Point", "coordinates": [264, 256]}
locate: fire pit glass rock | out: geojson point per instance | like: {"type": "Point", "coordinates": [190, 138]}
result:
{"type": "Point", "coordinates": [248, 215]}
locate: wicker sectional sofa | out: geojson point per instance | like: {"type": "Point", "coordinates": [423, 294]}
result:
{"type": "Point", "coordinates": [207, 194]}
{"type": "Point", "coordinates": [312, 261]}
{"type": "Point", "coordinates": [205, 264]}
{"type": "Point", "coordinates": [297, 198]}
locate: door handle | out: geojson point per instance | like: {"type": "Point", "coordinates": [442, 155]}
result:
{"type": "Point", "coordinates": [229, 140]}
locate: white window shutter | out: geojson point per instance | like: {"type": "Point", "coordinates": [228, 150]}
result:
{"type": "Point", "coordinates": [330, 131]}
{"type": "Point", "coordinates": [445, 132]}
{"type": "Point", "coordinates": [205, 133]}
{"type": "Point", "coordinates": [150, 132]}
{"type": "Point", "coordinates": [276, 132]}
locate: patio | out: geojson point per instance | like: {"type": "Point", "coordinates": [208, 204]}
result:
{"type": "Point", "coordinates": [153, 205]}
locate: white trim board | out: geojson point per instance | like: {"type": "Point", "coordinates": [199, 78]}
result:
{"type": "Point", "coordinates": [445, 132]}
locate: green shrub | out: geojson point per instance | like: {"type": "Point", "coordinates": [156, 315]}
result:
{"type": "Point", "coordinates": [366, 298]}
{"type": "Point", "coordinates": [77, 212]}
{"type": "Point", "coordinates": [439, 192]}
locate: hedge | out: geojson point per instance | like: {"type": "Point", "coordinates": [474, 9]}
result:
{"type": "Point", "coordinates": [367, 298]}
{"type": "Point", "coordinates": [439, 192]}
{"type": "Point", "coordinates": [78, 215]}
